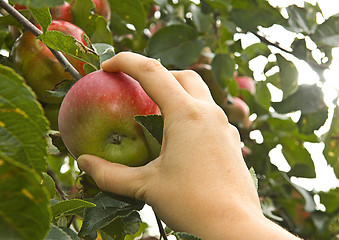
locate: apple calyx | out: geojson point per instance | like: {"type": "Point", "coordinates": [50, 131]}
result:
{"type": "Point", "coordinates": [116, 138]}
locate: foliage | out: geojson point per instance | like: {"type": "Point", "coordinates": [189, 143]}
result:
{"type": "Point", "coordinates": [39, 199]}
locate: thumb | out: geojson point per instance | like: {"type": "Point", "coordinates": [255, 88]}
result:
{"type": "Point", "coordinates": [114, 177]}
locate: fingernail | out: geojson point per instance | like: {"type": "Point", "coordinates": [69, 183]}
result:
{"type": "Point", "coordinates": [83, 163]}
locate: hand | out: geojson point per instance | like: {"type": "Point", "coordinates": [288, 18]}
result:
{"type": "Point", "coordinates": [199, 183]}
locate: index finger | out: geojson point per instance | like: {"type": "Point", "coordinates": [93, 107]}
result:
{"type": "Point", "coordinates": [156, 80]}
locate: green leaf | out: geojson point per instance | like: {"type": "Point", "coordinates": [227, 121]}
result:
{"type": "Point", "coordinates": [203, 22]}
{"type": "Point", "coordinates": [249, 14]}
{"type": "Point", "coordinates": [104, 51]}
{"type": "Point", "coordinates": [331, 140]}
{"type": "Point", "coordinates": [22, 123]}
{"type": "Point", "coordinates": [69, 205]}
{"type": "Point", "coordinates": [24, 212]}
{"type": "Point", "coordinates": [95, 26]}
{"type": "Point", "coordinates": [61, 233]}
{"type": "Point", "coordinates": [328, 32]}
{"type": "Point", "coordinates": [263, 94]}
{"type": "Point", "coordinates": [303, 20]}
{"type": "Point", "coordinates": [39, 3]}
{"type": "Point", "coordinates": [330, 199]}
{"type": "Point", "coordinates": [310, 122]}
{"type": "Point", "coordinates": [220, 5]}
{"type": "Point", "coordinates": [49, 184]}
{"type": "Point", "coordinates": [9, 20]}
{"type": "Point", "coordinates": [122, 226]}
{"type": "Point", "coordinates": [42, 16]}
{"type": "Point", "coordinates": [186, 236]}
{"type": "Point", "coordinates": [176, 45]}
{"type": "Point", "coordinates": [223, 67]}
{"type": "Point", "coordinates": [69, 45]}
{"type": "Point", "coordinates": [288, 76]}
{"type": "Point", "coordinates": [106, 210]}
{"type": "Point", "coordinates": [254, 177]}
{"type": "Point", "coordinates": [308, 98]}
{"type": "Point", "coordinates": [153, 129]}
{"type": "Point", "coordinates": [129, 11]}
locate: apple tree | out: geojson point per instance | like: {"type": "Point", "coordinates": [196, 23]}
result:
{"type": "Point", "coordinates": [238, 49]}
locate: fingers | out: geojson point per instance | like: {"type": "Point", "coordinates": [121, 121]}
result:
{"type": "Point", "coordinates": [113, 177]}
{"type": "Point", "coordinates": [159, 83]}
{"type": "Point", "coordinates": [193, 84]}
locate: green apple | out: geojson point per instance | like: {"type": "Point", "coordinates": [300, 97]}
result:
{"type": "Point", "coordinates": [41, 70]}
{"type": "Point", "coordinates": [97, 117]}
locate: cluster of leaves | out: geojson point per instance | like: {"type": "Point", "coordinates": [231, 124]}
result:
{"type": "Point", "coordinates": [39, 198]}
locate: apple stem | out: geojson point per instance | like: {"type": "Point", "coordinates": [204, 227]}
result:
{"type": "Point", "coordinates": [33, 29]}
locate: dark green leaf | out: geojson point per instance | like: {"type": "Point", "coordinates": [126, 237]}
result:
{"type": "Point", "coordinates": [176, 45]}
{"type": "Point", "coordinates": [23, 203]}
{"type": "Point", "coordinates": [153, 128]}
{"type": "Point", "coordinates": [331, 140]}
{"type": "Point", "coordinates": [105, 51]}
{"type": "Point", "coordinates": [186, 236]}
{"type": "Point", "coordinates": [130, 11]}
{"type": "Point", "coordinates": [56, 233]}
{"type": "Point", "coordinates": [308, 123]}
{"type": "Point", "coordinates": [39, 3]}
{"type": "Point", "coordinates": [308, 99]}
{"type": "Point", "coordinates": [223, 67]}
{"type": "Point", "coordinates": [69, 205]}
{"type": "Point", "coordinates": [203, 22]}
{"type": "Point", "coordinates": [330, 199]}
{"type": "Point", "coordinates": [255, 50]}
{"type": "Point", "coordinates": [95, 26]}
{"type": "Point", "coordinates": [328, 32]}
{"type": "Point", "coordinates": [69, 45]}
{"type": "Point", "coordinates": [219, 5]}
{"type": "Point", "coordinates": [49, 184]}
{"type": "Point", "coordinates": [121, 226]}
{"type": "Point", "coordinates": [288, 76]}
{"type": "Point", "coordinates": [249, 14]}
{"type": "Point", "coordinates": [263, 95]}
{"type": "Point", "coordinates": [22, 123]}
{"type": "Point", "coordinates": [106, 210]}
{"type": "Point", "coordinates": [42, 16]}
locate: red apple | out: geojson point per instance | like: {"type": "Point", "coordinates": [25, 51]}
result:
{"type": "Point", "coordinates": [102, 8]}
{"type": "Point", "coordinates": [245, 82]}
{"type": "Point", "coordinates": [97, 117]}
{"type": "Point", "coordinates": [63, 12]}
{"type": "Point", "coordinates": [41, 70]}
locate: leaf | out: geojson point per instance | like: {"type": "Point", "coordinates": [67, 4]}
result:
{"type": "Point", "coordinates": [254, 177]}
{"type": "Point", "coordinates": [121, 226]}
{"type": "Point", "coordinates": [303, 20]}
{"type": "Point", "coordinates": [56, 233]}
{"type": "Point", "coordinates": [39, 3]}
{"type": "Point", "coordinates": [331, 140]}
{"type": "Point", "coordinates": [9, 20]}
{"type": "Point", "coordinates": [263, 95]}
{"type": "Point", "coordinates": [22, 123]}
{"type": "Point", "coordinates": [268, 209]}
{"type": "Point", "coordinates": [49, 184]}
{"type": "Point", "coordinates": [186, 236]}
{"type": "Point", "coordinates": [130, 11]}
{"type": "Point", "coordinates": [153, 130]}
{"type": "Point", "coordinates": [176, 45]}
{"type": "Point", "coordinates": [42, 16]}
{"type": "Point", "coordinates": [328, 32]}
{"type": "Point", "coordinates": [223, 67]}
{"type": "Point", "coordinates": [69, 205]}
{"type": "Point", "coordinates": [95, 26]}
{"type": "Point", "coordinates": [308, 123]}
{"type": "Point", "coordinates": [220, 5]}
{"type": "Point", "coordinates": [330, 199]}
{"type": "Point", "coordinates": [24, 212]}
{"type": "Point", "coordinates": [104, 51]}
{"type": "Point", "coordinates": [69, 45]}
{"type": "Point", "coordinates": [288, 76]}
{"type": "Point", "coordinates": [308, 98]}
{"type": "Point", "coordinates": [106, 210]}
{"type": "Point", "coordinates": [249, 14]}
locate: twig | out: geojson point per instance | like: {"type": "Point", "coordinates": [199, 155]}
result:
{"type": "Point", "coordinates": [33, 29]}
{"type": "Point", "coordinates": [161, 229]}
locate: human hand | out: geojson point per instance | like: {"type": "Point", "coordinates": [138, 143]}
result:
{"type": "Point", "coordinates": [199, 183]}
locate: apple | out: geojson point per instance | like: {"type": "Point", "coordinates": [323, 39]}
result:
{"type": "Point", "coordinates": [245, 82]}
{"type": "Point", "coordinates": [62, 12]}
{"type": "Point", "coordinates": [238, 112]}
{"type": "Point", "coordinates": [97, 117]}
{"type": "Point", "coordinates": [102, 8]}
{"type": "Point", "coordinates": [41, 70]}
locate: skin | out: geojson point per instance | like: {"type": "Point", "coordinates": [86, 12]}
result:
{"type": "Point", "coordinates": [199, 183]}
